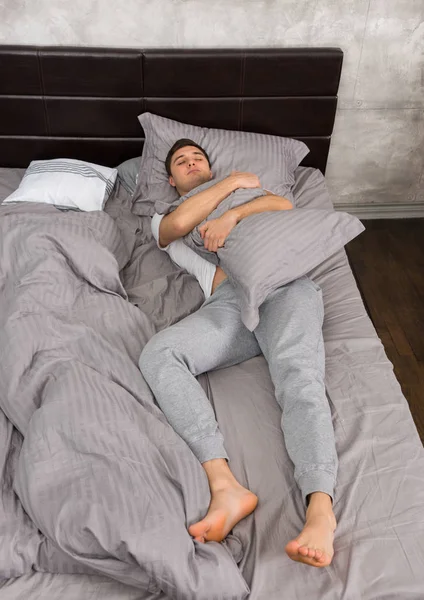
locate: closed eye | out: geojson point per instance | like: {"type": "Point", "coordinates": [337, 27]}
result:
{"type": "Point", "coordinates": [198, 158]}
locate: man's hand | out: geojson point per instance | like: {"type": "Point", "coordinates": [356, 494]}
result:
{"type": "Point", "coordinates": [215, 231]}
{"type": "Point", "coordinates": [245, 180]}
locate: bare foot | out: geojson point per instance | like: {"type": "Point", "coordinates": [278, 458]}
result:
{"type": "Point", "coordinates": [314, 545]}
{"type": "Point", "coordinates": [229, 504]}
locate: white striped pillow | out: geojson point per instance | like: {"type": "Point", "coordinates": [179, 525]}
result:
{"type": "Point", "coordinates": [66, 182]}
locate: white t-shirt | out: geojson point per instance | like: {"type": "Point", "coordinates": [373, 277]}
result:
{"type": "Point", "coordinates": [185, 257]}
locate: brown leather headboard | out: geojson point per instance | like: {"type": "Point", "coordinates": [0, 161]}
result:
{"type": "Point", "coordinates": [83, 102]}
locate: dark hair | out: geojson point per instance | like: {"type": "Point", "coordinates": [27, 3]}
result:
{"type": "Point", "coordinates": [182, 143]}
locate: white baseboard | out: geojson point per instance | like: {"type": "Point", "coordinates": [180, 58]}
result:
{"type": "Point", "coordinates": [414, 210]}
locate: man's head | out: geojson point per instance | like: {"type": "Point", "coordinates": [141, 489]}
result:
{"type": "Point", "coordinates": [187, 165]}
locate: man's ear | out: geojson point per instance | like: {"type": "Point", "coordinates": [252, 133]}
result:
{"type": "Point", "coordinates": [171, 181]}
{"type": "Point", "coordinates": [211, 176]}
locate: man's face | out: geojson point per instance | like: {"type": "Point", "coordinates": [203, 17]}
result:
{"type": "Point", "coordinates": [189, 168]}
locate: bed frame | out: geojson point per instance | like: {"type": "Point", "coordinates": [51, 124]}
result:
{"type": "Point", "coordinates": [83, 102]}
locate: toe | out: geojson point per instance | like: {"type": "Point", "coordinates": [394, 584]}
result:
{"type": "Point", "coordinates": [292, 548]}
{"type": "Point", "coordinates": [199, 529]}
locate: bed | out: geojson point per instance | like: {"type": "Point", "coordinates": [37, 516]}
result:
{"type": "Point", "coordinates": [83, 103]}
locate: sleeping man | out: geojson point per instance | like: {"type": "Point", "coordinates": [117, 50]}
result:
{"type": "Point", "coordinates": [289, 335]}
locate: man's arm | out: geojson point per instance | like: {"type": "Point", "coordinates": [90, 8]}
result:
{"type": "Point", "coordinates": [260, 205]}
{"type": "Point", "coordinates": [215, 232]}
{"type": "Point", "coordinates": [194, 210]}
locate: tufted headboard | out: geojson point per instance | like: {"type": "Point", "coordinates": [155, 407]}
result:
{"type": "Point", "coordinates": [83, 102]}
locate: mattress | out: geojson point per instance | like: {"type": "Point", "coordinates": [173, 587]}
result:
{"type": "Point", "coordinates": [379, 497]}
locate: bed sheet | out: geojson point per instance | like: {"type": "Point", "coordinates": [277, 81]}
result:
{"type": "Point", "coordinates": [379, 499]}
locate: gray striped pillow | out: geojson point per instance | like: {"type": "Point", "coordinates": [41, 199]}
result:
{"type": "Point", "coordinates": [66, 182]}
{"type": "Point", "coordinates": [271, 249]}
{"type": "Point", "coordinates": [266, 251]}
{"type": "Point", "coordinates": [128, 173]}
{"type": "Point", "coordinates": [272, 158]}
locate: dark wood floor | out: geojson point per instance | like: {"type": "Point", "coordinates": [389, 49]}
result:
{"type": "Point", "coordinates": [387, 260]}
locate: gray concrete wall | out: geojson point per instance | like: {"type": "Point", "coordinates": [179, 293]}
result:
{"type": "Point", "coordinates": [377, 153]}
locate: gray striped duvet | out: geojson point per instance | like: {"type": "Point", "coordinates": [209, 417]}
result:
{"type": "Point", "coordinates": [96, 481]}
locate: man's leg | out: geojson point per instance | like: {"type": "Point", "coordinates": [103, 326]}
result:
{"type": "Point", "coordinates": [211, 338]}
{"type": "Point", "coordinates": [290, 336]}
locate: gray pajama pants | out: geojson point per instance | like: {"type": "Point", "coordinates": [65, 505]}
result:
{"type": "Point", "coordinates": [289, 335]}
